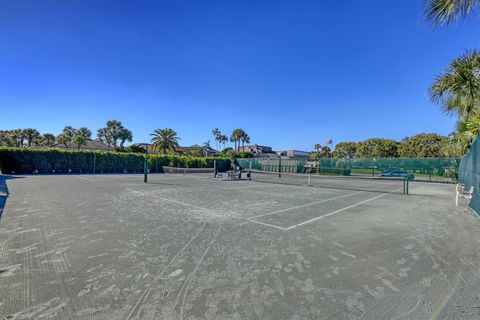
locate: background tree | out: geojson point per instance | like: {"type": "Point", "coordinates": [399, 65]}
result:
{"type": "Point", "coordinates": [376, 148]}
{"type": "Point", "coordinates": [104, 136]}
{"type": "Point", "coordinates": [7, 138]}
{"type": "Point", "coordinates": [32, 136]}
{"type": "Point", "coordinates": [325, 152]}
{"type": "Point", "coordinates": [114, 128]}
{"type": "Point", "coordinates": [64, 139]}
{"type": "Point", "coordinates": [245, 138]}
{"type": "Point", "coordinates": [79, 140]}
{"type": "Point", "coordinates": [195, 152]}
{"type": "Point", "coordinates": [48, 139]}
{"type": "Point", "coordinates": [217, 135]}
{"type": "Point", "coordinates": [345, 150]}
{"type": "Point", "coordinates": [424, 145]}
{"type": "Point", "coordinates": [124, 136]}
{"type": "Point", "coordinates": [113, 132]}
{"type": "Point", "coordinates": [228, 153]}
{"type": "Point", "coordinates": [85, 133]}
{"type": "Point", "coordinates": [165, 141]}
{"type": "Point", "coordinates": [69, 132]}
{"type": "Point", "coordinates": [19, 137]}
{"type": "Point", "coordinates": [223, 140]}
{"type": "Point", "coordinates": [236, 136]}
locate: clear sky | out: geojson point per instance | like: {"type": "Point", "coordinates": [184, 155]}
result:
{"type": "Point", "coordinates": [291, 73]}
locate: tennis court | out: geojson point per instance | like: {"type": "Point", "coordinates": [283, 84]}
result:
{"type": "Point", "coordinates": [187, 246]}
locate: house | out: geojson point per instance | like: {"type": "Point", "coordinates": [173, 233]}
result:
{"type": "Point", "coordinates": [90, 145]}
{"type": "Point", "coordinates": [294, 153]}
{"type": "Point", "coordinates": [256, 149]}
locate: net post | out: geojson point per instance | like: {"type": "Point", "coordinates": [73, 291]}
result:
{"type": "Point", "coordinates": [406, 185]}
{"type": "Point", "coordinates": [214, 168]}
{"type": "Point", "coordinates": [279, 166]}
{"type": "Point", "coordinates": [145, 165]}
{"type": "Point", "coordinates": [309, 179]}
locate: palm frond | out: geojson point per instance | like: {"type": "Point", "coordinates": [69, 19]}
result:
{"type": "Point", "coordinates": [444, 12]}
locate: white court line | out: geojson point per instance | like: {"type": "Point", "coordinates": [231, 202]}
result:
{"type": "Point", "coordinates": [186, 204]}
{"type": "Point", "coordinates": [340, 210]}
{"type": "Point", "coordinates": [84, 178]}
{"type": "Point", "coordinates": [265, 224]}
{"type": "Point", "coordinates": [316, 202]}
{"type": "Point", "coordinates": [304, 205]}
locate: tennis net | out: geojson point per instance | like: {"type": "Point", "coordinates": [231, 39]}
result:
{"type": "Point", "coordinates": [209, 172]}
{"type": "Point", "coordinates": [361, 183]}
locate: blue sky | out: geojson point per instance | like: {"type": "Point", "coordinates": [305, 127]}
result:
{"type": "Point", "coordinates": [291, 73]}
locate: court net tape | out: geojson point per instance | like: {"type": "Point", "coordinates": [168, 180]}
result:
{"type": "Point", "coordinates": [189, 171]}
{"type": "Point", "coordinates": [373, 184]}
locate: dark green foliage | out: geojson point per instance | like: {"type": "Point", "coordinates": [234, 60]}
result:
{"type": "Point", "coordinates": [424, 145]}
{"type": "Point", "coordinates": [26, 160]}
{"type": "Point", "coordinates": [345, 150]}
{"type": "Point", "coordinates": [377, 148]}
{"type": "Point", "coordinates": [231, 154]}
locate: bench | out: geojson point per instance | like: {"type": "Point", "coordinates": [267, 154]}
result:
{"type": "Point", "coordinates": [462, 193]}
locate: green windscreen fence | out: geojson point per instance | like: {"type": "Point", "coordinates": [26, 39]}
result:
{"type": "Point", "coordinates": [469, 173]}
{"type": "Point", "coordinates": [424, 169]}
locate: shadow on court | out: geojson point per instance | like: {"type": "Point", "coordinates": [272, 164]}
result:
{"type": "Point", "coordinates": [4, 191]}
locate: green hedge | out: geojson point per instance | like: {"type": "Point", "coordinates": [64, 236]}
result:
{"type": "Point", "coordinates": [27, 160]}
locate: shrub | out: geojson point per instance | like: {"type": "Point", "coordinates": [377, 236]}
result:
{"type": "Point", "coordinates": [28, 160]}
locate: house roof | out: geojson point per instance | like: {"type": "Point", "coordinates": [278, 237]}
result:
{"type": "Point", "coordinates": [89, 145]}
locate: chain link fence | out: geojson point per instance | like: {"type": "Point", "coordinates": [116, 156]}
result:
{"type": "Point", "coordinates": [424, 169]}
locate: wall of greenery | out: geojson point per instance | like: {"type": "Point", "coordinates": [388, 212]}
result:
{"type": "Point", "coordinates": [29, 160]}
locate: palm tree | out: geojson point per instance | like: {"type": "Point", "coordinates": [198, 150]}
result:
{"type": "Point", "coordinates": [236, 136]}
{"type": "Point", "coordinates": [65, 139]}
{"type": "Point", "coordinates": [325, 151]}
{"type": "Point", "coordinates": [125, 135]}
{"type": "Point", "coordinates": [114, 127]}
{"type": "Point", "coordinates": [317, 147]}
{"type": "Point", "coordinates": [457, 90]}
{"type": "Point", "coordinates": [32, 136]}
{"type": "Point", "coordinates": [18, 136]}
{"type": "Point", "coordinates": [223, 139]}
{"type": "Point", "coordinates": [164, 141]}
{"type": "Point", "coordinates": [48, 139]}
{"type": "Point", "coordinates": [441, 12]}
{"type": "Point", "coordinates": [245, 138]}
{"type": "Point", "coordinates": [85, 132]}
{"type": "Point", "coordinates": [217, 134]}
{"type": "Point", "coordinates": [103, 136]}
{"type": "Point", "coordinates": [79, 140]}
{"type": "Point", "coordinates": [69, 132]}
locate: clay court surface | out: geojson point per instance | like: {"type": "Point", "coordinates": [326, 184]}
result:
{"type": "Point", "coordinates": [192, 247]}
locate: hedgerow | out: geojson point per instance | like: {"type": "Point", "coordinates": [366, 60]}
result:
{"type": "Point", "coordinates": [29, 160]}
